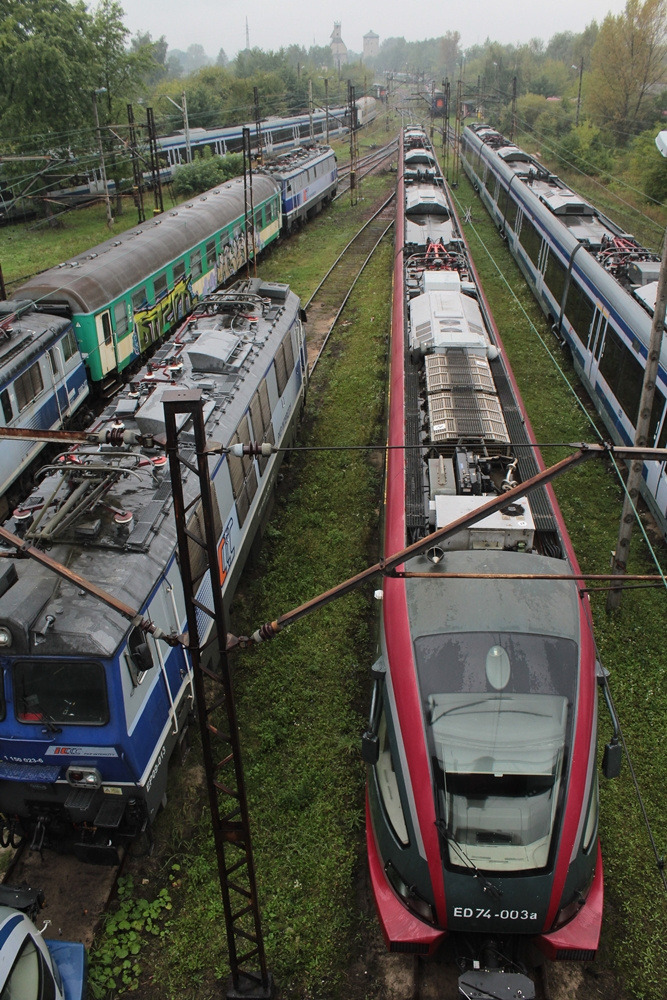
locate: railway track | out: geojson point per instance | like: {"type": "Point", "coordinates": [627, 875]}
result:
{"type": "Point", "coordinates": [366, 165]}
{"type": "Point", "coordinates": [326, 304]}
{"type": "Point", "coordinates": [76, 894]}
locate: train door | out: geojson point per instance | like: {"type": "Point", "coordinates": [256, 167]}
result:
{"type": "Point", "coordinates": [105, 345]}
{"type": "Point", "coordinates": [596, 337]}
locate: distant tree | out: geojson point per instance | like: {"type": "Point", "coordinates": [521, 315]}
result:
{"type": "Point", "coordinates": [221, 59]}
{"type": "Point", "coordinates": [647, 167]}
{"type": "Point", "coordinates": [586, 148]}
{"type": "Point", "coordinates": [627, 65]}
{"type": "Point", "coordinates": [143, 41]}
{"type": "Point", "coordinates": [47, 72]}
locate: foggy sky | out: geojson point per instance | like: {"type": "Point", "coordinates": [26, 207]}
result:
{"type": "Point", "coordinates": [273, 24]}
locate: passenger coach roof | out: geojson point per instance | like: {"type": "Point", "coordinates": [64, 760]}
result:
{"type": "Point", "coordinates": [93, 279]}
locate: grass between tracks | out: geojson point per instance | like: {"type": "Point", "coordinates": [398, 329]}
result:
{"type": "Point", "coordinates": [631, 644]}
{"type": "Point", "coordinates": [301, 700]}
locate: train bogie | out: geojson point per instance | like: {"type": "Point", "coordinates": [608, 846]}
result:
{"type": "Point", "coordinates": [94, 707]}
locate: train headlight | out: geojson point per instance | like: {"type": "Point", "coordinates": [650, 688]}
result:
{"type": "Point", "coordinates": [409, 895]}
{"type": "Point", "coordinates": [5, 637]}
{"type": "Point", "coordinates": [83, 777]}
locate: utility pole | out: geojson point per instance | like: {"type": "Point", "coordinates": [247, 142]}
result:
{"type": "Point", "coordinates": [620, 556]}
{"type": "Point", "coordinates": [249, 208]}
{"type": "Point", "coordinates": [581, 75]}
{"type": "Point", "coordinates": [352, 112]}
{"type": "Point", "coordinates": [326, 105]}
{"type": "Point", "coordinates": [137, 172]}
{"type": "Point", "coordinates": [102, 90]}
{"type": "Point", "coordinates": [183, 108]}
{"type": "Point", "coordinates": [258, 127]}
{"type": "Point", "coordinates": [310, 108]}
{"type": "Point", "coordinates": [514, 122]}
{"type": "Point", "coordinates": [155, 163]}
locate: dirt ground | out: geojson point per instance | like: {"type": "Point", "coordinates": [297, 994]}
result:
{"type": "Point", "coordinates": [75, 894]}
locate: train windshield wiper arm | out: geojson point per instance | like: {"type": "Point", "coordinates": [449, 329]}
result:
{"type": "Point", "coordinates": [468, 863]}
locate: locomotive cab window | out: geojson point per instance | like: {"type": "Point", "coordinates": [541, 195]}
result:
{"type": "Point", "coordinates": [66, 692]}
{"type": "Point", "coordinates": [69, 347]}
{"type": "Point", "coordinates": [498, 717]}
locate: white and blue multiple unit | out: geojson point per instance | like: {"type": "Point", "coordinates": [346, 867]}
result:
{"type": "Point", "coordinates": [42, 381]}
{"type": "Point", "coordinates": [594, 281]}
{"type": "Point", "coordinates": [91, 708]}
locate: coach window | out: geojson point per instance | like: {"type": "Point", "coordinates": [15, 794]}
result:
{"type": "Point", "coordinates": [211, 255]}
{"type": "Point", "coordinates": [179, 271]}
{"type": "Point", "coordinates": [530, 240]}
{"type": "Point", "coordinates": [242, 473]}
{"type": "Point", "coordinates": [511, 210]}
{"type": "Point", "coordinates": [160, 286]}
{"type": "Point", "coordinates": [656, 416]}
{"type": "Point", "coordinates": [28, 386]}
{"type": "Point", "coordinates": [120, 317]}
{"type": "Point", "coordinates": [622, 372]}
{"type": "Point", "coordinates": [258, 219]}
{"type": "Point", "coordinates": [139, 300]}
{"type": "Point", "coordinates": [554, 277]}
{"type": "Point", "coordinates": [7, 408]}
{"type": "Point", "coordinates": [579, 311]}
{"type": "Point", "coordinates": [67, 692]}
{"type": "Point", "coordinates": [195, 264]}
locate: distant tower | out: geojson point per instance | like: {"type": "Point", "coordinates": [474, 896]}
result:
{"type": "Point", "coordinates": [338, 47]}
{"type": "Point", "coordinates": [247, 35]}
{"type": "Point", "coordinates": [371, 45]}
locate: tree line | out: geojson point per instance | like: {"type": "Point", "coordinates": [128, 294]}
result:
{"type": "Point", "coordinates": [596, 92]}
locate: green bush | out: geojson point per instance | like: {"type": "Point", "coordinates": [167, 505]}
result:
{"type": "Point", "coordinates": [205, 172]}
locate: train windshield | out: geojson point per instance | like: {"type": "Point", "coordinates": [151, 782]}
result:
{"type": "Point", "coordinates": [66, 692]}
{"type": "Point", "coordinates": [498, 710]}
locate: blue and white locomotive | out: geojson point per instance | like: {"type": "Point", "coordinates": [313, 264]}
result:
{"type": "Point", "coordinates": [595, 282]}
{"type": "Point", "coordinates": [42, 381]}
{"type": "Point", "coordinates": [308, 180]}
{"type": "Point", "coordinates": [91, 706]}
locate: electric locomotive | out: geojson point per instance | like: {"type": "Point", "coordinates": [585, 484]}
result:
{"type": "Point", "coordinates": [482, 794]}
{"type": "Point", "coordinates": [92, 706]}
{"type": "Point", "coordinates": [594, 281]}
